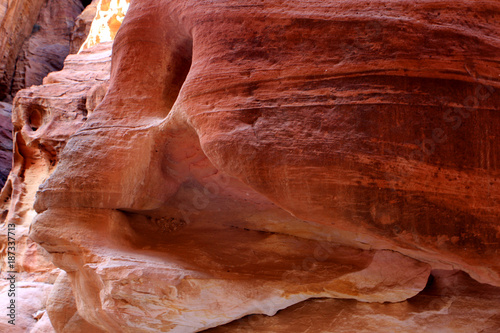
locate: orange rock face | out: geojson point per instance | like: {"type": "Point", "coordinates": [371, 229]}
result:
{"type": "Point", "coordinates": [82, 25]}
{"type": "Point", "coordinates": [44, 118]}
{"type": "Point", "coordinates": [249, 157]}
{"type": "Point", "coordinates": [106, 21]}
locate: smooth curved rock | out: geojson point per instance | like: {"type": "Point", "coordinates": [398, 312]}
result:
{"type": "Point", "coordinates": [320, 110]}
{"type": "Point", "coordinates": [234, 142]}
{"type": "Point", "coordinates": [61, 308]}
{"type": "Point", "coordinates": [30, 304]}
{"type": "Point", "coordinates": [106, 22]}
{"type": "Point", "coordinates": [120, 273]}
{"type": "Point", "coordinates": [44, 117]}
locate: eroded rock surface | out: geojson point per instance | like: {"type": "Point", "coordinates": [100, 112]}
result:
{"type": "Point", "coordinates": [34, 40]}
{"type": "Point", "coordinates": [5, 141]}
{"type": "Point", "coordinates": [201, 277]}
{"type": "Point", "coordinates": [246, 158]}
{"type": "Point", "coordinates": [453, 302]}
{"type": "Point", "coordinates": [30, 298]}
{"type": "Point", "coordinates": [44, 118]}
{"type": "Point", "coordinates": [48, 45]}
{"type": "Point", "coordinates": [249, 158]}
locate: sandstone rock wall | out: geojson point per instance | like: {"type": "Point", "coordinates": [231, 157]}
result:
{"type": "Point", "coordinates": [82, 26]}
{"type": "Point", "coordinates": [34, 41]}
{"type": "Point", "coordinates": [37, 35]}
{"type": "Point", "coordinates": [246, 159]}
{"type": "Point", "coordinates": [44, 117]}
{"type": "Point", "coordinates": [48, 45]}
{"type": "Point", "coordinates": [17, 19]}
{"type": "Point", "coordinates": [240, 149]}
{"type": "Point", "coordinates": [452, 303]}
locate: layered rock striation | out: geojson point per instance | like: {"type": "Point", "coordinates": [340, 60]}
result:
{"type": "Point", "coordinates": [44, 117]}
{"type": "Point", "coordinates": [237, 144]}
{"type": "Point", "coordinates": [453, 302]}
{"type": "Point", "coordinates": [14, 33]}
{"type": "Point", "coordinates": [245, 159]}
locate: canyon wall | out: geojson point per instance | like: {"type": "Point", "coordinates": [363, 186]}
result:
{"type": "Point", "coordinates": [268, 167]}
{"type": "Point", "coordinates": [35, 41]}
{"type": "Point", "coordinates": [107, 20]}
{"type": "Point", "coordinates": [17, 19]}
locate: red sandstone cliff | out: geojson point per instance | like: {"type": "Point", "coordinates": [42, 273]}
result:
{"type": "Point", "coordinates": [248, 158]}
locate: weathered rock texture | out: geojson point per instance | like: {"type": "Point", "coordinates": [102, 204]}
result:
{"type": "Point", "coordinates": [107, 21]}
{"type": "Point", "coordinates": [453, 302]}
{"type": "Point", "coordinates": [44, 118]}
{"type": "Point", "coordinates": [48, 45]}
{"type": "Point", "coordinates": [82, 26]}
{"type": "Point", "coordinates": [30, 301]}
{"type": "Point", "coordinates": [5, 141]}
{"type": "Point", "coordinates": [248, 157]}
{"type": "Point", "coordinates": [35, 39]}
{"type": "Point", "coordinates": [17, 19]}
